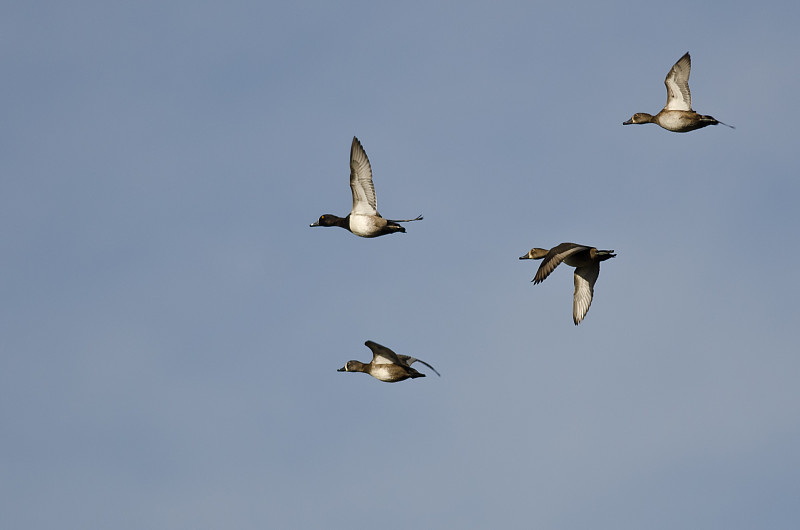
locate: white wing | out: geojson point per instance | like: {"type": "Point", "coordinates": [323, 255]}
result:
{"type": "Point", "coordinates": [364, 201]}
{"type": "Point", "coordinates": [677, 83]}
{"type": "Point", "coordinates": [584, 290]}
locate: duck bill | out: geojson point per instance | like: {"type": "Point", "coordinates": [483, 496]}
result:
{"type": "Point", "coordinates": [342, 369]}
{"type": "Point", "coordinates": [629, 122]}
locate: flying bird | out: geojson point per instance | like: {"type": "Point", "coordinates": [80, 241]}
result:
{"type": "Point", "coordinates": [586, 261]}
{"type": "Point", "coordinates": [677, 115]}
{"type": "Point", "coordinates": [386, 365]}
{"type": "Point", "coordinates": [364, 219]}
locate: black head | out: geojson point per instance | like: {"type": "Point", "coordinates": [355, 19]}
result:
{"type": "Point", "coordinates": [330, 220]}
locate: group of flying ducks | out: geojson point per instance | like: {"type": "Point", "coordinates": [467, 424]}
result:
{"type": "Point", "coordinates": [365, 221]}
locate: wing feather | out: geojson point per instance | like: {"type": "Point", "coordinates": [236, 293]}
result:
{"type": "Point", "coordinates": [364, 200]}
{"type": "Point", "coordinates": [585, 277]}
{"type": "Point", "coordinates": [677, 83]}
{"type": "Point", "coordinates": [382, 354]}
{"type": "Point", "coordinates": [408, 360]}
{"type": "Point", "coordinates": [556, 255]}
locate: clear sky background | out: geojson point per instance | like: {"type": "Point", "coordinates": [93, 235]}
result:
{"type": "Point", "coordinates": [171, 326]}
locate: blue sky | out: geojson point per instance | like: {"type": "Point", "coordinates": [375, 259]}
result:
{"type": "Point", "coordinates": [171, 326]}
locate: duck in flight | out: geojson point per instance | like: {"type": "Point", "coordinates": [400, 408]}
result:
{"type": "Point", "coordinates": [677, 115]}
{"type": "Point", "coordinates": [586, 261]}
{"type": "Point", "coordinates": [386, 365]}
{"type": "Point", "coordinates": [364, 219]}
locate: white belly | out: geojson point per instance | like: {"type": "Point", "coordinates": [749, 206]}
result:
{"type": "Point", "coordinates": [676, 120]}
{"type": "Point", "coordinates": [383, 373]}
{"type": "Point", "coordinates": [364, 225]}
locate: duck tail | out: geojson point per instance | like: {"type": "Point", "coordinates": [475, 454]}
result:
{"type": "Point", "coordinates": [713, 121]}
{"type": "Point", "coordinates": [417, 218]}
{"type": "Point", "coordinates": [392, 227]}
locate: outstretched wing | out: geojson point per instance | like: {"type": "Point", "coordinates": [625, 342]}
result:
{"type": "Point", "coordinates": [364, 201]}
{"type": "Point", "coordinates": [677, 83]}
{"type": "Point", "coordinates": [382, 354]}
{"type": "Point", "coordinates": [556, 255]}
{"type": "Point", "coordinates": [584, 290]}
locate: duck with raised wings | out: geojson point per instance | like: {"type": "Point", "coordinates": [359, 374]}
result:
{"type": "Point", "coordinates": [386, 365]}
{"type": "Point", "coordinates": [677, 115]}
{"type": "Point", "coordinates": [364, 219]}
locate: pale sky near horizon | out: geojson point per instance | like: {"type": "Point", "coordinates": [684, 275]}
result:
{"type": "Point", "coordinates": [171, 326]}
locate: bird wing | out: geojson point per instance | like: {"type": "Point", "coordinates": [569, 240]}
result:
{"type": "Point", "coordinates": [556, 255]}
{"type": "Point", "coordinates": [408, 360]}
{"type": "Point", "coordinates": [382, 354]}
{"type": "Point", "coordinates": [584, 289]}
{"type": "Point", "coordinates": [677, 83]}
{"type": "Point", "coordinates": [364, 201]}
